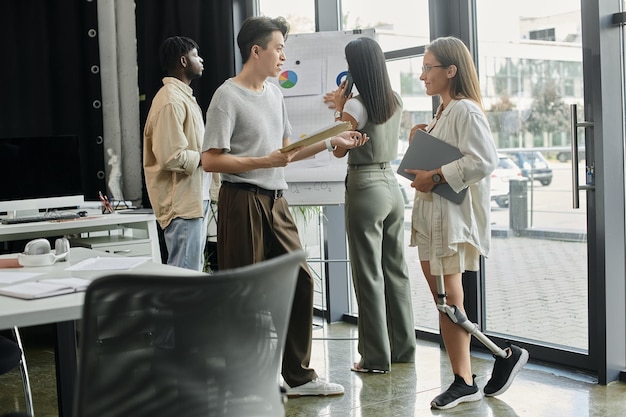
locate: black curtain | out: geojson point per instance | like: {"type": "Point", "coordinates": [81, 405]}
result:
{"type": "Point", "coordinates": [50, 73]}
{"type": "Point", "coordinates": [209, 23]}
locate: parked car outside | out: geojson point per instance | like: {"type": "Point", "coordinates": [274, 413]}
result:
{"type": "Point", "coordinates": [533, 165]}
{"type": "Point", "coordinates": [500, 178]}
{"type": "Point", "coordinates": [566, 155]}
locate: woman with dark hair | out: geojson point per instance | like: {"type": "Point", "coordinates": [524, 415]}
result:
{"type": "Point", "coordinates": [450, 237]}
{"type": "Point", "coordinates": [374, 210]}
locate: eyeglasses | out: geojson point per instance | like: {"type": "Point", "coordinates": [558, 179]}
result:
{"type": "Point", "coordinates": [427, 68]}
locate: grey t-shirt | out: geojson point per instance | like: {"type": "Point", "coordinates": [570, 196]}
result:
{"type": "Point", "coordinates": [248, 123]}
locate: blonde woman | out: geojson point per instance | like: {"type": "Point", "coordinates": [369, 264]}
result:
{"type": "Point", "coordinates": [450, 238]}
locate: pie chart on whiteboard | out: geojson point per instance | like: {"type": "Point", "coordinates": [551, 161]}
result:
{"type": "Point", "coordinates": [288, 79]}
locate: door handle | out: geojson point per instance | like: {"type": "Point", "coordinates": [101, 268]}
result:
{"type": "Point", "coordinates": [576, 187]}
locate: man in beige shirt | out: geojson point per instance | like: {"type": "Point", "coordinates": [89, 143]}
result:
{"type": "Point", "coordinates": [172, 143]}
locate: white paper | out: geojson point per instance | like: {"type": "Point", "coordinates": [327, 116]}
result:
{"type": "Point", "coordinates": [300, 77]}
{"type": "Point", "coordinates": [108, 264]}
{"type": "Point", "coordinates": [11, 277]}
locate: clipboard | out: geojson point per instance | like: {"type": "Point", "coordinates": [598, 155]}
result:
{"type": "Point", "coordinates": [428, 152]}
{"type": "Point", "coordinates": [320, 135]}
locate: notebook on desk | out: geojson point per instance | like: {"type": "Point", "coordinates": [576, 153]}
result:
{"type": "Point", "coordinates": [31, 290]}
{"type": "Point", "coordinates": [136, 211]}
{"type": "Point", "coordinates": [428, 152]}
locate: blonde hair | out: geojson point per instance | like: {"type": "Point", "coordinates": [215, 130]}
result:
{"type": "Point", "coordinates": [452, 51]}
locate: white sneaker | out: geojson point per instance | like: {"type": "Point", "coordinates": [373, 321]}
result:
{"type": "Point", "coordinates": [317, 387]}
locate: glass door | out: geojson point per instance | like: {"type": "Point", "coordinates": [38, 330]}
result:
{"type": "Point", "coordinates": [530, 65]}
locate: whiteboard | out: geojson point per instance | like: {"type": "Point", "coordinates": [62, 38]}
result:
{"type": "Point", "coordinates": [315, 64]}
{"type": "Point", "coordinates": [318, 193]}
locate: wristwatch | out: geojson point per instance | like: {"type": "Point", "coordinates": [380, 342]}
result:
{"type": "Point", "coordinates": [437, 178]}
{"type": "Point", "coordinates": [338, 114]}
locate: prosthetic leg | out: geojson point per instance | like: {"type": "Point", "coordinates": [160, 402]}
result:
{"type": "Point", "coordinates": [459, 318]}
{"type": "Point", "coordinates": [509, 361]}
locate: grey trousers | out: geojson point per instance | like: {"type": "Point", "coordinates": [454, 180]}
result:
{"type": "Point", "coordinates": [375, 226]}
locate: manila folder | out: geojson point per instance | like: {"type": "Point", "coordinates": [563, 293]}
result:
{"type": "Point", "coordinates": [327, 132]}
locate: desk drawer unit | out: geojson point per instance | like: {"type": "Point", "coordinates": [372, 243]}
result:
{"type": "Point", "coordinates": [118, 245]}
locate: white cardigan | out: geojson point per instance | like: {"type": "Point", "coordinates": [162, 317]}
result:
{"type": "Point", "coordinates": [464, 125]}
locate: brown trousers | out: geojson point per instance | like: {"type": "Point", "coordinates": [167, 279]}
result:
{"type": "Point", "coordinates": [252, 228]}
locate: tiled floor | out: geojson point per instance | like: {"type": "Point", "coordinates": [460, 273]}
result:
{"type": "Point", "coordinates": [407, 390]}
{"type": "Point", "coordinates": [538, 391]}
{"type": "Point", "coordinates": [38, 344]}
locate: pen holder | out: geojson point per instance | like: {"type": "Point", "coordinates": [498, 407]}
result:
{"type": "Point", "coordinates": [106, 208]}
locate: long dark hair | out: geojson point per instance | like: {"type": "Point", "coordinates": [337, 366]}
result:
{"type": "Point", "coordinates": [367, 65]}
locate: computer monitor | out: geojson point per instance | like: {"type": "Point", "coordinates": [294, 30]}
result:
{"type": "Point", "coordinates": [40, 173]}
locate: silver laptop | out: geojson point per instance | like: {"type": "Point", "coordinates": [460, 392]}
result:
{"type": "Point", "coordinates": [428, 152]}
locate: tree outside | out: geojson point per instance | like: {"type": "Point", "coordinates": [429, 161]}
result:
{"type": "Point", "coordinates": [548, 121]}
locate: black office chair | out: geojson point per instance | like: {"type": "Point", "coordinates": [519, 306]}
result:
{"type": "Point", "coordinates": [207, 345]}
{"type": "Point", "coordinates": [11, 356]}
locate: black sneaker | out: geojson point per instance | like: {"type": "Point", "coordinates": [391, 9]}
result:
{"type": "Point", "coordinates": [505, 369]}
{"type": "Point", "coordinates": [459, 392]}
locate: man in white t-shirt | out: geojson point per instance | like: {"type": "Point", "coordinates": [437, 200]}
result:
{"type": "Point", "coordinates": [247, 124]}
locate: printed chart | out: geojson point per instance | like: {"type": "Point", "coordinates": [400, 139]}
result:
{"type": "Point", "coordinates": [315, 65]}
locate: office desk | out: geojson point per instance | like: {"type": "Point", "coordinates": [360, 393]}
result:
{"type": "Point", "coordinates": [63, 310]}
{"type": "Point", "coordinates": [143, 224]}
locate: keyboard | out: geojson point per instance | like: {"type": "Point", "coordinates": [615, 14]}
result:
{"type": "Point", "coordinates": [43, 217]}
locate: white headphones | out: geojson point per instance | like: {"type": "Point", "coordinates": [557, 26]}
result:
{"type": "Point", "coordinates": [38, 253]}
